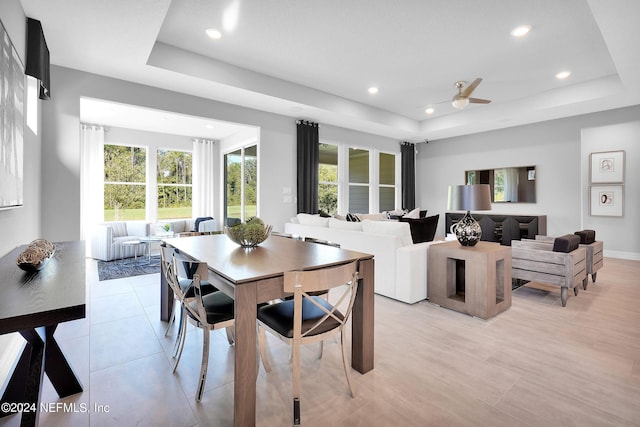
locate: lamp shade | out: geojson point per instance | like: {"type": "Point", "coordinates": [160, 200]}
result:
{"type": "Point", "coordinates": [476, 197]}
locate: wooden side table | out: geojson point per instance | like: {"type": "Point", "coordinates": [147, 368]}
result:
{"type": "Point", "coordinates": [473, 280]}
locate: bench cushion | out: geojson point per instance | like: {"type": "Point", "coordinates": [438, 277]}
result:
{"type": "Point", "coordinates": [566, 243]}
{"type": "Point", "coordinates": [586, 236]}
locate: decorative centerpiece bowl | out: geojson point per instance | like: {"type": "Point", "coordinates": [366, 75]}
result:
{"type": "Point", "coordinates": [36, 256]}
{"type": "Point", "coordinates": [249, 234]}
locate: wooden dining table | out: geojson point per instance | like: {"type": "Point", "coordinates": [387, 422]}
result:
{"type": "Point", "coordinates": [255, 275]}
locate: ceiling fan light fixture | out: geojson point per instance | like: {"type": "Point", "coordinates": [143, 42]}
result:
{"type": "Point", "coordinates": [460, 102]}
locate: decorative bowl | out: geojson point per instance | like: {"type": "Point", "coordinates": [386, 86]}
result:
{"type": "Point", "coordinates": [36, 256]}
{"type": "Point", "coordinates": [248, 235]}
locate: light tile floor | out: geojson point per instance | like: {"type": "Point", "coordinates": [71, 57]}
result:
{"type": "Point", "coordinates": [537, 364]}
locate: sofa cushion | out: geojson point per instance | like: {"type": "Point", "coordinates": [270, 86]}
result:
{"type": "Point", "coordinates": [398, 229]}
{"type": "Point", "coordinates": [586, 236]}
{"type": "Point", "coordinates": [566, 243]}
{"type": "Point", "coordinates": [316, 220]}
{"type": "Point", "coordinates": [344, 225]}
{"type": "Point", "coordinates": [374, 217]}
{"type": "Point", "coordinates": [422, 229]}
{"type": "Point", "coordinates": [119, 228]}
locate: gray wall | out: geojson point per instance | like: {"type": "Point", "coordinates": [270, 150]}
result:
{"type": "Point", "coordinates": [22, 225]}
{"type": "Point", "coordinates": [560, 151]}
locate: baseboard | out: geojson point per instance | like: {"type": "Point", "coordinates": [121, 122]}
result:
{"type": "Point", "coordinates": [634, 256]}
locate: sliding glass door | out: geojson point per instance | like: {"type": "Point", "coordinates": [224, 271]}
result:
{"type": "Point", "coordinates": [241, 185]}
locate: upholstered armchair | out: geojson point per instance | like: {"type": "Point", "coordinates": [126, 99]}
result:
{"type": "Point", "coordinates": [107, 239]}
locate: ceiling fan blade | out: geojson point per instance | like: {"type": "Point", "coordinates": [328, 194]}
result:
{"type": "Point", "coordinates": [479, 101]}
{"type": "Point", "coordinates": [467, 90]}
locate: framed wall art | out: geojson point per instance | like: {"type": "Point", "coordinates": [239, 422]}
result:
{"type": "Point", "coordinates": [607, 167]}
{"type": "Point", "coordinates": [12, 87]}
{"type": "Point", "coordinates": [606, 200]}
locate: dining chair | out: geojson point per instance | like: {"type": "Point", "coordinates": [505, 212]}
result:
{"type": "Point", "coordinates": [208, 312]}
{"type": "Point", "coordinates": [308, 319]}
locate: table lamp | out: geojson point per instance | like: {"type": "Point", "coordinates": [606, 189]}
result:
{"type": "Point", "coordinates": [476, 197]}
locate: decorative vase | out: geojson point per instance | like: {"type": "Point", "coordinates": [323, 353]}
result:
{"type": "Point", "coordinates": [467, 230]}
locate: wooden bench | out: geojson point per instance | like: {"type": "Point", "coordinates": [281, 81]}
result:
{"type": "Point", "coordinates": [535, 260]}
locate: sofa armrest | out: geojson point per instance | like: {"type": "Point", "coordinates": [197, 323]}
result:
{"type": "Point", "coordinates": [102, 242]}
{"type": "Point", "coordinates": [208, 225]}
{"type": "Point", "coordinates": [412, 270]}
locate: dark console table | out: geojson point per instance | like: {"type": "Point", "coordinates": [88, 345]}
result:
{"type": "Point", "coordinates": [503, 228]}
{"type": "Point", "coordinates": [33, 304]}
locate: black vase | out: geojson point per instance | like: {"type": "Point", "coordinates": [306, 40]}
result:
{"type": "Point", "coordinates": [467, 230]}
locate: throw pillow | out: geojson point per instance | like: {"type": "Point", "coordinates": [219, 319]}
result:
{"type": "Point", "coordinates": [352, 218]}
{"type": "Point", "coordinates": [586, 236]}
{"type": "Point", "coordinates": [422, 229]}
{"type": "Point", "coordinates": [413, 214]}
{"type": "Point", "coordinates": [566, 243]}
{"type": "Point", "coordinates": [374, 217]}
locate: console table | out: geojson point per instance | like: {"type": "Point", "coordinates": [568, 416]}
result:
{"type": "Point", "coordinates": [475, 280]}
{"type": "Point", "coordinates": [503, 228]}
{"type": "Point", "coordinates": [33, 304]}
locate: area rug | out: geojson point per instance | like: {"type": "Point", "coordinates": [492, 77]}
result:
{"type": "Point", "coordinates": [117, 269]}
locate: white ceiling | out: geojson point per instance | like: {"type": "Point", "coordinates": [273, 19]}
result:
{"type": "Point", "coordinates": [315, 60]}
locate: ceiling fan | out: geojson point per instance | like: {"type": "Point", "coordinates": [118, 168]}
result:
{"type": "Point", "coordinates": [462, 98]}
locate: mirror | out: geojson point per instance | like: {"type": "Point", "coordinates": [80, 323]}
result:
{"type": "Point", "coordinates": [508, 185]}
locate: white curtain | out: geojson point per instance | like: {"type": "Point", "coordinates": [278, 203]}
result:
{"type": "Point", "coordinates": [203, 178]}
{"type": "Point", "coordinates": [92, 178]}
{"type": "Point", "coordinates": [511, 185]}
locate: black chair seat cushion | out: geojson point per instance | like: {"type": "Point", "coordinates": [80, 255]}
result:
{"type": "Point", "coordinates": [566, 243]}
{"type": "Point", "coordinates": [586, 236]}
{"type": "Point", "coordinates": [187, 289]}
{"type": "Point", "coordinates": [279, 317]}
{"type": "Point", "coordinates": [423, 229]}
{"type": "Point", "coordinates": [218, 305]}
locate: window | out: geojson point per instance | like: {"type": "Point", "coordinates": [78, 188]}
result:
{"type": "Point", "coordinates": [358, 180]}
{"type": "Point", "coordinates": [328, 179]}
{"type": "Point", "coordinates": [125, 182]}
{"type": "Point", "coordinates": [373, 180]}
{"type": "Point", "coordinates": [386, 182]}
{"type": "Point", "coordinates": [498, 185]}
{"type": "Point", "coordinates": [241, 184]}
{"type": "Point", "coordinates": [174, 184]}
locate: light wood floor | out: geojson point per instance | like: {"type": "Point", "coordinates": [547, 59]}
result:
{"type": "Point", "coordinates": [537, 364]}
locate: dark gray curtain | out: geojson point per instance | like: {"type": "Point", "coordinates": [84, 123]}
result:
{"type": "Point", "coordinates": [308, 155]}
{"type": "Point", "coordinates": [408, 173]}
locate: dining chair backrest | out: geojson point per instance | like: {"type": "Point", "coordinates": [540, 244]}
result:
{"type": "Point", "coordinates": [167, 255]}
{"type": "Point", "coordinates": [304, 283]}
{"type": "Point", "coordinates": [198, 272]}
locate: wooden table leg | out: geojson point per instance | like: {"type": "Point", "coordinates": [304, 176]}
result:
{"type": "Point", "coordinates": [57, 368]}
{"type": "Point", "coordinates": [363, 320]}
{"type": "Point", "coordinates": [166, 299]}
{"type": "Point", "coordinates": [245, 357]}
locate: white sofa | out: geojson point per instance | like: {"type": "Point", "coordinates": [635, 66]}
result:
{"type": "Point", "coordinates": [107, 239]}
{"type": "Point", "coordinates": [400, 265]}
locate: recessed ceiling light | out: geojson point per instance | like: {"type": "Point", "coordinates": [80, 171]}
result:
{"type": "Point", "coordinates": [373, 90]}
{"type": "Point", "coordinates": [429, 110]}
{"type": "Point", "coordinates": [563, 75]}
{"type": "Point", "coordinates": [209, 126]}
{"type": "Point", "coordinates": [521, 31]}
{"type": "Point", "coordinates": [214, 34]}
